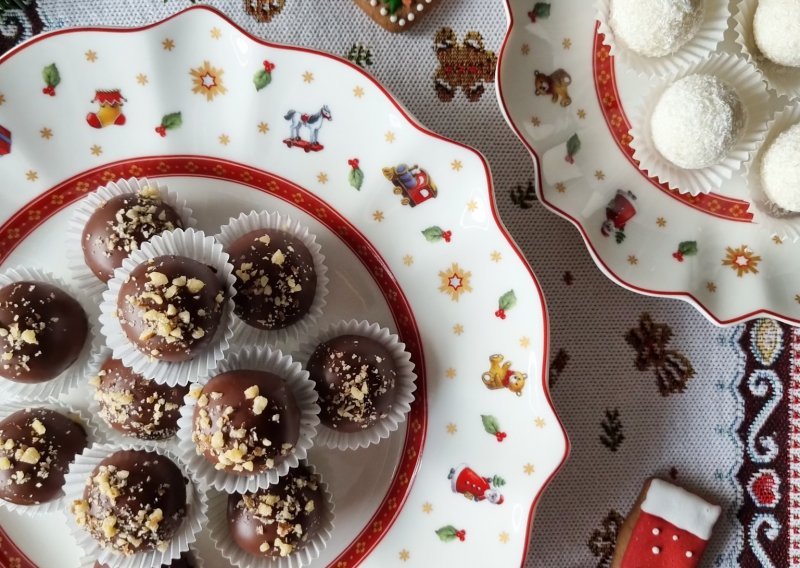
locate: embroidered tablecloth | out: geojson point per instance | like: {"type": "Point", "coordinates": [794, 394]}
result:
{"type": "Point", "coordinates": [644, 386]}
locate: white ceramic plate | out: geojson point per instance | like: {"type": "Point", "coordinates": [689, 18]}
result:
{"type": "Point", "coordinates": [704, 249]}
{"type": "Point", "coordinates": [437, 273]}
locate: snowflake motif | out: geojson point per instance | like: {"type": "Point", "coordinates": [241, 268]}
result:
{"type": "Point", "coordinates": [378, 216]}
{"type": "Point", "coordinates": [263, 127]}
{"type": "Point", "coordinates": [632, 260]}
{"type": "Point", "coordinates": [458, 329]}
{"type": "Point", "coordinates": [777, 239]}
{"type": "Point", "coordinates": [208, 81]}
{"type": "Point", "coordinates": [536, 121]}
{"type": "Point", "coordinates": [224, 139]}
{"type": "Point", "coordinates": [456, 165]}
{"type": "Point", "coordinates": [504, 537]}
{"type": "Point", "coordinates": [308, 77]}
{"type": "Point", "coordinates": [91, 56]}
{"type": "Point", "coordinates": [404, 555]}
{"type": "Point", "coordinates": [427, 508]}
{"type": "Point", "coordinates": [450, 373]}
{"type": "Point", "coordinates": [472, 206]}
{"type": "Point", "coordinates": [524, 342]}
{"type": "Point", "coordinates": [581, 113]}
{"type": "Point", "coordinates": [539, 422]}
{"type": "Point", "coordinates": [322, 178]}
{"type": "Point", "coordinates": [216, 33]}
{"type": "Point", "coordinates": [96, 150]}
{"type": "Point", "coordinates": [567, 43]}
{"type": "Point", "coordinates": [46, 133]}
{"type": "Point", "coordinates": [389, 136]}
{"type": "Point", "coordinates": [32, 175]}
{"type": "Point", "coordinates": [408, 260]}
{"type": "Point", "coordinates": [528, 468]}
{"type": "Point", "coordinates": [525, 49]}
{"type": "Point", "coordinates": [358, 92]}
{"type": "Point", "coordinates": [742, 260]}
{"type": "Point", "coordinates": [495, 256]}
{"type": "Point", "coordinates": [452, 429]}
{"type": "Point", "coordinates": [142, 79]}
{"type": "Point", "coordinates": [661, 222]}
{"type": "Point", "coordinates": [711, 287]}
{"type": "Point", "coordinates": [560, 187]}
{"type": "Point", "coordinates": [600, 175]}
{"type": "Point", "coordinates": [455, 281]}
{"type": "Point", "coordinates": [168, 44]}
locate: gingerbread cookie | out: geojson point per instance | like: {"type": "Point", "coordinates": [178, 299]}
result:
{"type": "Point", "coordinates": [396, 15]}
{"type": "Point", "coordinates": [668, 527]}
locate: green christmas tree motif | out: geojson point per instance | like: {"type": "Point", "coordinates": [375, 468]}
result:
{"type": "Point", "coordinates": [355, 177]}
{"type": "Point", "coordinates": [360, 55]}
{"type": "Point", "coordinates": [169, 121]}
{"type": "Point", "coordinates": [686, 248]}
{"type": "Point", "coordinates": [497, 481]}
{"type": "Point", "coordinates": [573, 147]}
{"type": "Point", "coordinates": [263, 76]}
{"type": "Point", "coordinates": [392, 5]}
{"type": "Point", "coordinates": [51, 78]}
{"type": "Point", "coordinates": [492, 427]}
{"type": "Point", "coordinates": [506, 302]}
{"type": "Point", "coordinates": [450, 533]}
{"type": "Point", "coordinates": [540, 10]}
{"type": "Point", "coordinates": [436, 233]}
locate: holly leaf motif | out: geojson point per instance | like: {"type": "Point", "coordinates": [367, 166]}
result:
{"type": "Point", "coordinates": [573, 145]}
{"type": "Point", "coordinates": [542, 9]}
{"type": "Point", "coordinates": [172, 120]}
{"type": "Point", "coordinates": [498, 481]}
{"type": "Point", "coordinates": [507, 301]}
{"type": "Point", "coordinates": [51, 75]}
{"type": "Point", "coordinates": [447, 533]}
{"type": "Point", "coordinates": [490, 424]}
{"type": "Point", "coordinates": [688, 248]}
{"type": "Point", "coordinates": [433, 234]}
{"type": "Point", "coordinates": [356, 177]}
{"type": "Point", "coordinates": [262, 78]}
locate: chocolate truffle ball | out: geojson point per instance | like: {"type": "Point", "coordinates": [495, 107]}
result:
{"type": "Point", "coordinates": [246, 422]}
{"type": "Point", "coordinates": [355, 378]}
{"type": "Point", "coordinates": [134, 501]}
{"type": "Point", "coordinates": [36, 447]}
{"type": "Point", "coordinates": [280, 519]}
{"type": "Point", "coordinates": [121, 224]}
{"type": "Point", "coordinates": [136, 406]}
{"type": "Point", "coordinates": [275, 278]}
{"type": "Point", "coordinates": [42, 331]}
{"type": "Point", "coordinates": [185, 561]}
{"type": "Point", "coordinates": [171, 306]}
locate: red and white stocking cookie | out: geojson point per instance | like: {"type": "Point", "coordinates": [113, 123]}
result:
{"type": "Point", "coordinates": [668, 527]}
{"type": "Point", "coordinates": [396, 15]}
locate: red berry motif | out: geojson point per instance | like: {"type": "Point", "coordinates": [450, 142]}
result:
{"type": "Point", "coordinates": [161, 130]}
{"type": "Point", "coordinates": [447, 235]}
{"type": "Point", "coordinates": [501, 313]}
{"type": "Point", "coordinates": [500, 436]}
{"type": "Point", "coordinates": [461, 535]}
{"type": "Point", "coordinates": [678, 255]}
{"type": "Point", "coordinates": [569, 159]}
{"type": "Point", "coordinates": [268, 66]}
{"type": "Point", "coordinates": [353, 163]}
{"type": "Point", "coordinates": [49, 91]}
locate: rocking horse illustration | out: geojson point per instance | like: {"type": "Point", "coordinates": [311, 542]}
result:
{"type": "Point", "coordinates": [311, 121]}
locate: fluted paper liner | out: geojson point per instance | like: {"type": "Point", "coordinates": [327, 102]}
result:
{"type": "Point", "coordinates": [233, 553]}
{"type": "Point", "coordinates": [748, 83]}
{"type": "Point", "coordinates": [246, 334]}
{"type": "Point", "coordinates": [781, 79]}
{"type": "Point", "coordinates": [705, 41]}
{"type": "Point", "coordinates": [197, 560]}
{"type": "Point", "coordinates": [404, 385]}
{"type": "Point", "coordinates": [774, 219]}
{"type": "Point", "coordinates": [93, 436]}
{"type": "Point", "coordinates": [302, 389]}
{"type": "Point", "coordinates": [82, 275]}
{"type": "Point", "coordinates": [191, 244]}
{"type": "Point", "coordinates": [31, 392]}
{"type": "Point", "coordinates": [193, 522]}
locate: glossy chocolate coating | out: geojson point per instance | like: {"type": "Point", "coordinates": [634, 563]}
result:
{"type": "Point", "coordinates": [185, 561]}
{"type": "Point", "coordinates": [55, 440]}
{"type": "Point", "coordinates": [120, 225]}
{"type": "Point", "coordinates": [136, 406]}
{"type": "Point", "coordinates": [264, 522]}
{"type": "Point", "coordinates": [355, 378]}
{"type": "Point", "coordinates": [143, 482]}
{"type": "Point", "coordinates": [42, 331]}
{"type": "Point", "coordinates": [162, 311]}
{"type": "Point", "coordinates": [269, 433]}
{"type": "Point", "coordinates": [275, 278]}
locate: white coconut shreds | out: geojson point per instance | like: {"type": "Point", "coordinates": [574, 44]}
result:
{"type": "Point", "coordinates": [655, 28]}
{"type": "Point", "coordinates": [780, 170]}
{"type": "Point", "coordinates": [776, 26]}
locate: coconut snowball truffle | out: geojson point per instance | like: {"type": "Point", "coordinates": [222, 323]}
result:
{"type": "Point", "coordinates": [697, 121]}
{"type": "Point", "coordinates": [776, 27]}
{"type": "Point", "coordinates": [780, 170]}
{"type": "Point", "coordinates": [655, 28]}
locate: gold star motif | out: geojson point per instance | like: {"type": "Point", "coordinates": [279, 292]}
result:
{"type": "Point", "coordinates": [536, 121]}
{"type": "Point", "coordinates": [450, 373]}
{"type": "Point", "coordinates": [207, 80]}
{"type": "Point", "coordinates": [91, 56]}
{"type": "Point", "coordinates": [581, 113]}
{"type": "Point", "coordinates": [560, 187]}
{"type": "Point", "coordinates": [452, 429]}
{"type": "Point", "coordinates": [528, 468]}
{"type": "Point", "coordinates": [263, 127]}
{"type": "Point", "coordinates": [142, 79]}
{"type": "Point", "coordinates": [378, 216]}
{"type": "Point", "coordinates": [525, 49]}
{"type": "Point", "coordinates": [455, 281]}
{"type": "Point", "coordinates": [408, 260]}
{"type": "Point", "coordinates": [632, 260]}
{"type": "Point", "coordinates": [322, 178]}
{"type": "Point", "coordinates": [46, 133]}
{"type": "Point", "coordinates": [308, 76]}
{"type": "Point", "coordinates": [661, 222]}
{"type": "Point", "coordinates": [404, 555]}
{"type": "Point", "coordinates": [567, 43]}
{"type": "Point", "coordinates": [504, 537]}
{"type": "Point", "coordinates": [32, 175]}
{"type": "Point", "coordinates": [524, 342]}
{"type": "Point", "coordinates": [427, 508]}
{"type": "Point", "coordinates": [742, 260]}
{"type": "Point", "coordinates": [496, 256]}
{"type": "Point", "coordinates": [96, 150]}
{"type": "Point", "coordinates": [539, 422]}
{"type": "Point", "coordinates": [2, 99]}
{"type": "Point", "coordinates": [358, 92]}
{"type": "Point", "coordinates": [216, 33]}
{"type": "Point", "coordinates": [456, 165]}
{"type": "Point", "coordinates": [168, 44]}
{"type": "Point", "coordinates": [472, 206]}
{"type": "Point", "coordinates": [777, 240]}
{"type": "Point", "coordinates": [389, 136]}
{"type": "Point", "coordinates": [458, 329]}
{"type": "Point", "coordinates": [711, 287]}
{"type": "Point", "coordinates": [224, 139]}
{"type": "Point", "coordinates": [599, 175]}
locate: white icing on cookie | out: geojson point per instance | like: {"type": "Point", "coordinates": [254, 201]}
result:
{"type": "Point", "coordinates": [681, 508]}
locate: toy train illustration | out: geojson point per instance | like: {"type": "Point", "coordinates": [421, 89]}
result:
{"type": "Point", "coordinates": [413, 183]}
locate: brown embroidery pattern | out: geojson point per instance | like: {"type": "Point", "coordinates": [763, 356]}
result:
{"type": "Point", "coordinates": [612, 436]}
{"type": "Point", "coordinates": [604, 539]}
{"type": "Point", "coordinates": [468, 65]}
{"type": "Point", "coordinates": [558, 365]}
{"type": "Point", "coordinates": [671, 368]}
{"type": "Point", "coordinates": [263, 10]}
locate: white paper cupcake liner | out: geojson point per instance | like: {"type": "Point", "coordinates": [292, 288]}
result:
{"type": "Point", "coordinates": [749, 85]}
{"type": "Point", "coordinates": [306, 397]}
{"type": "Point", "coordinates": [246, 222]}
{"type": "Point", "coordinates": [191, 244]}
{"type": "Point", "coordinates": [93, 436]}
{"type": "Point", "coordinates": [30, 392]}
{"type": "Point", "coordinates": [773, 219]}
{"type": "Point", "coordinates": [781, 79]}
{"type": "Point", "coordinates": [710, 34]}
{"type": "Point", "coordinates": [83, 277]}
{"type": "Point", "coordinates": [196, 509]}
{"type": "Point", "coordinates": [197, 560]}
{"type": "Point", "coordinates": [404, 386]}
{"type": "Point", "coordinates": [111, 435]}
{"type": "Point", "coordinates": [221, 535]}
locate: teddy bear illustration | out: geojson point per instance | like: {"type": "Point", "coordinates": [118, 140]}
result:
{"type": "Point", "coordinates": [501, 376]}
{"type": "Point", "coordinates": [556, 84]}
